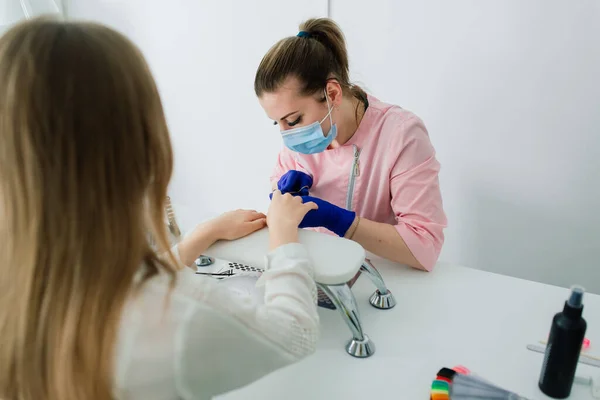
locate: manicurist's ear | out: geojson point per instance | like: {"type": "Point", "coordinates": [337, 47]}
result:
{"type": "Point", "coordinates": [334, 92]}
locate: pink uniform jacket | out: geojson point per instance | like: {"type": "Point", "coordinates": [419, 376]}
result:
{"type": "Point", "coordinates": [387, 172]}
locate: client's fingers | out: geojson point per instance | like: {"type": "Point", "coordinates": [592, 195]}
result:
{"type": "Point", "coordinates": [258, 223]}
{"type": "Point", "coordinates": [311, 205]}
{"type": "Point", "coordinates": [257, 215]}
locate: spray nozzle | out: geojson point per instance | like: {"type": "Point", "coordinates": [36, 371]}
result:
{"type": "Point", "coordinates": [576, 297]}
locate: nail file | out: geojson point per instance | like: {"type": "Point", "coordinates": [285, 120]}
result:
{"type": "Point", "coordinates": [583, 358]}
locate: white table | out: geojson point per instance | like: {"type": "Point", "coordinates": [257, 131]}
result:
{"type": "Point", "coordinates": [452, 316]}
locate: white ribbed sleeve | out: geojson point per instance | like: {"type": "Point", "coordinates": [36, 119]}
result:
{"type": "Point", "coordinates": [212, 340]}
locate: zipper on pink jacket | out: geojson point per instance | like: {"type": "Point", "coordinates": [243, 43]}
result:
{"type": "Point", "coordinates": [354, 172]}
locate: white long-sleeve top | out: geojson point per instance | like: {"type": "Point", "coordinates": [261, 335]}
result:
{"type": "Point", "coordinates": [205, 339]}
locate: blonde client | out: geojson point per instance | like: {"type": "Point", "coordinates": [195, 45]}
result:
{"type": "Point", "coordinates": [90, 309]}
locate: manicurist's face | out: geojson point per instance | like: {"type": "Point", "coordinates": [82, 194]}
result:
{"type": "Point", "coordinates": [289, 109]}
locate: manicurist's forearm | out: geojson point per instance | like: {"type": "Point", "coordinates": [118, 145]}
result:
{"type": "Point", "coordinates": [382, 240]}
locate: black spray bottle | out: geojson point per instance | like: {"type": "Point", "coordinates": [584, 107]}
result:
{"type": "Point", "coordinates": [564, 345]}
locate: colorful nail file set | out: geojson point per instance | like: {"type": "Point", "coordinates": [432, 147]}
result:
{"type": "Point", "coordinates": [459, 384]}
{"type": "Point", "coordinates": [440, 388]}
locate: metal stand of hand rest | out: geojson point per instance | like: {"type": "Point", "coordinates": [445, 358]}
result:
{"type": "Point", "coordinates": [383, 297]}
{"type": "Point", "coordinates": [360, 346]}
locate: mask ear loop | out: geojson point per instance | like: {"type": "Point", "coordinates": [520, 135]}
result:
{"type": "Point", "coordinates": [329, 113]}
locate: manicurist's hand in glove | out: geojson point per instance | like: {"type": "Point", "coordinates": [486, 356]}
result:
{"type": "Point", "coordinates": [296, 183]}
{"type": "Point", "coordinates": [327, 215]}
{"type": "Point", "coordinates": [336, 219]}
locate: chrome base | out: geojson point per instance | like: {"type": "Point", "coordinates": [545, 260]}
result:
{"type": "Point", "coordinates": [360, 345]}
{"type": "Point", "coordinates": [382, 298]}
{"type": "Point", "coordinates": [204, 261]}
{"type": "Point", "coordinates": [361, 348]}
{"type": "Point", "coordinates": [382, 301]}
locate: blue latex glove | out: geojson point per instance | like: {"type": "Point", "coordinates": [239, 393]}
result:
{"type": "Point", "coordinates": [297, 183]}
{"type": "Point", "coordinates": [336, 219]}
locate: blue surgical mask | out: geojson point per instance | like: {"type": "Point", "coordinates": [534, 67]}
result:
{"type": "Point", "coordinates": [310, 139]}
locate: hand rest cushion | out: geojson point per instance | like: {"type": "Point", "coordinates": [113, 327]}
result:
{"type": "Point", "coordinates": [336, 260]}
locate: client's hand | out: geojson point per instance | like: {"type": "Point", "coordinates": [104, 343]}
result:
{"type": "Point", "coordinates": [294, 182]}
{"type": "Point", "coordinates": [228, 226]}
{"type": "Point", "coordinates": [236, 224]}
{"type": "Point", "coordinates": [284, 216]}
{"type": "Point", "coordinates": [336, 219]}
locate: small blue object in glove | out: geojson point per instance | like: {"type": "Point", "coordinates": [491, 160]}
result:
{"type": "Point", "coordinates": [297, 183]}
{"type": "Point", "coordinates": [338, 220]}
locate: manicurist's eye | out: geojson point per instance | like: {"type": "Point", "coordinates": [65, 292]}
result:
{"type": "Point", "coordinates": [295, 122]}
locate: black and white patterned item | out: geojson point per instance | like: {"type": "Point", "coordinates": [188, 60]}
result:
{"type": "Point", "coordinates": [324, 301]}
{"type": "Point", "coordinates": [246, 270]}
{"type": "Point", "coordinates": [241, 269]}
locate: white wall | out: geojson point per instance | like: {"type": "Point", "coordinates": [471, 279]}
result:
{"type": "Point", "coordinates": [510, 92]}
{"type": "Point", "coordinates": [12, 11]}
{"type": "Point", "coordinates": [37, 7]}
{"type": "Point", "coordinates": [204, 55]}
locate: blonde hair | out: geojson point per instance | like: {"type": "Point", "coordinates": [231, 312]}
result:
{"type": "Point", "coordinates": [314, 57]}
{"type": "Point", "coordinates": [85, 161]}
